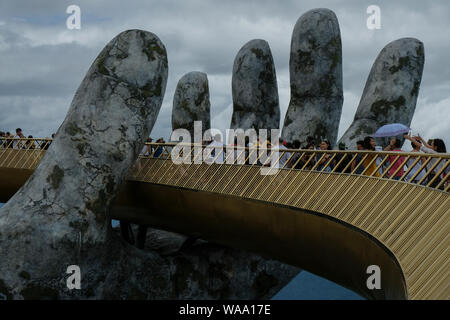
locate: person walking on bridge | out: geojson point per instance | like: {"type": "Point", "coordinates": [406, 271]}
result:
{"type": "Point", "coordinates": [215, 149]}
{"type": "Point", "coordinates": [413, 171]}
{"type": "Point", "coordinates": [369, 145]}
{"type": "Point", "coordinates": [395, 145]}
{"type": "Point", "coordinates": [436, 146]}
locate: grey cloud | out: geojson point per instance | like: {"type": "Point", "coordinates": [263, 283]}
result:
{"type": "Point", "coordinates": [45, 70]}
{"type": "Point", "coordinates": [205, 36]}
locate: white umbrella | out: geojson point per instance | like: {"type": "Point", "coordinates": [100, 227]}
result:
{"type": "Point", "coordinates": [391, 130]}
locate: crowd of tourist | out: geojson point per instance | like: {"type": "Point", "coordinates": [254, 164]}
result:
{"type": "Point", "coordinates": [371, 164]}
{"type": "Point", "coordinates": [151, 150]}
{"type": "Point", "coordinates": [17, 141]}
{"type": "Point", "coordinates": [363, 163]}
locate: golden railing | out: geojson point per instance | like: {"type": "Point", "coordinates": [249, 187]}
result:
{"type": "Point", "coordinates": [22, 153]}
{"type": "Point", "coordinates": [407, 212]}
{"type": "Point", "coordinates": [430, 170]}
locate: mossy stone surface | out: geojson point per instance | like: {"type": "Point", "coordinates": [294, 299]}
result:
{"type": "Point", "coordinates": [254, 88]}
{"type": "Point", "coordinates": [191, 103]}
{"type": "Point", "coordinates": [315, 68]}
{"type": "Point", "coordinates": [391, 91]}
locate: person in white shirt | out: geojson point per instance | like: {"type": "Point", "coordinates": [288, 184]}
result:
{"type": "Point", "coordinates": [215, 149]}
{"type": "Point", "coordinates": [436, 146]}
{"type": "Point", "coordinates": [416, 148]}
{"type": "Point", "coordinates": [279, 147]}
{"type": "Point", "coordinates": [147, 149]}
{"type": "Point", "coordinates": [20, 143]}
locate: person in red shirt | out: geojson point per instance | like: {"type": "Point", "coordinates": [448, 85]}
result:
{"type": "Point", "coordinates": [395, 145]}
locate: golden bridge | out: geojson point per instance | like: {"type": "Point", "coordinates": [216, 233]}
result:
{"type": "Point", "coordinates": [333, 213]}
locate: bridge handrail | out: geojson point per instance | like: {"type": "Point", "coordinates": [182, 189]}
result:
{"type": "Point", "coordinates": [427, 169]}
{"type": "Point", "coordinates": [172, 144]}
{"type": "Point", "coordinates": [432, 171]}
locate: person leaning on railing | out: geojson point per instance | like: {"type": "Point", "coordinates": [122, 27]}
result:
{"type": "Point", "coordinates": [436, 146]}
{"type": "Point", "coordinates": [283, 156]}
{"type": "Point", "coordinates": [7, 141]}
{"type": "Point", "coordinates": [294, 161]}
{"type": "Point", "coordinates": [342, 160]}
{"type": "Point", "coordinates": [307, 159]}
{"type": "Point", "coordinates": [147, 150]}
{"type": "Point", "coordinates": [358, 158]}
{"type": "Point", "coordinates": [413, 171]}
{"type": "Point", "coordinates": [2, 140]}
{"type": "Point", "coordinates": [323, 160]}
{"type": "Point", "coordinates": [159, 149]}
{"type": "Point", "coordinates": [369, 144]}
{"type": "Point", "coordinates": [46, 143]}
{"type": "Point", "coordinates": [395, 145]}
{"type": "Point", "coordinates": [29, 144]}
{"type": "Point", "coordinates": [19, 144]}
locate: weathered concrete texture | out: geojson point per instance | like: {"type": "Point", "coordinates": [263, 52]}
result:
{"type": "Point", "coordinates": [191, 103]}
{"type": "Point", "coordinates": [391, 90]}
{"type": "Point", "coordinates": [316, 78]}
{"type": "Point", "coordinates": [254, 88]}
{"type": "Point", "coordinates": [208, 271]}
{"type": "Point", "coordinates": [59, 217]}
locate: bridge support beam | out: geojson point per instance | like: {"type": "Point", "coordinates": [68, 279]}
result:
{"type": "Point", "coordinates": [312, 241]}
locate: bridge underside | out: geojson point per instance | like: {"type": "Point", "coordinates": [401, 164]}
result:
{"type": "Point", "coordinates": [312, 241]}
{"type": "Point", "coordinates": [333, 225]}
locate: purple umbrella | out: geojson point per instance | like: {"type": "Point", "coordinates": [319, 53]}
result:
{"type": "Point", "coordinates": [391, 130]}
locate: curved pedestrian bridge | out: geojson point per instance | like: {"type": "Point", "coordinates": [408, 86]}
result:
{"type": "Point", "coordinates": [333, 213]}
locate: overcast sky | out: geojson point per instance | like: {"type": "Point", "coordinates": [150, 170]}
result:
{"type": "Point", "coordinates": [42, 62]}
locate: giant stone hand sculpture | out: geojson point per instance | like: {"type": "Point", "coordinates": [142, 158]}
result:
{"type": "Point", "coordinates": [254, 88]}
{"type": "Point", "coordinates": [191, 103]}
{"type": "Point", "coordinates": [59, 217]}
{"type": "Point", "coordinates": [316, 78]}
{"type": "Point", "coordinates": [391, 90]}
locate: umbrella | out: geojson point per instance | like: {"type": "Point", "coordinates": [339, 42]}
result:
{"type": "Point", "coordinates": [391, 130]}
